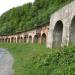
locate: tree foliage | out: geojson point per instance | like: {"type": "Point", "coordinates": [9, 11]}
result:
{"type": "Point", "coordinates": [25, 17]}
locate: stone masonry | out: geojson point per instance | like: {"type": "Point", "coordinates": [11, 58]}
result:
{"type": "Point", "coordinates": [58, 33]}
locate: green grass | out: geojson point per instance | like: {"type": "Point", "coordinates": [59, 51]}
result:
{"type": "Point", "coordinates": [34, 59]}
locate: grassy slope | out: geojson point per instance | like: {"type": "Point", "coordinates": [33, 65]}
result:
{"type": "Point", "coordinates": [38, 60]}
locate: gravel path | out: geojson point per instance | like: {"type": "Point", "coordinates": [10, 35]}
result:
{"type": "Point", "coordinates": [6, 62]}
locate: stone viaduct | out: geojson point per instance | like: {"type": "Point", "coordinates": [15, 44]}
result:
{"type": "Point", "coordinates": [38, 35]}
{"type": "Point", "coordinates": [58, 33]}
{"type": "Point", "coordinates": [62, 27]}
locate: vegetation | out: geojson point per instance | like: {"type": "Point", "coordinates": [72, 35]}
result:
{"type": "Point", "coordinates": [33, 59]}
{"type": "Point", "coordinates": [29, 15]}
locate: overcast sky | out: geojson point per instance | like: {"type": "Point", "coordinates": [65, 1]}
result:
{"type": "Point", "coordinates": [7, 4]}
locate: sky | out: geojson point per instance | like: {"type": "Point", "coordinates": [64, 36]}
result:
{"type": "Point", "coordinates": [8, 4]}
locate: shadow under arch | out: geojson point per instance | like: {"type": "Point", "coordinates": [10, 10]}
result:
{"type": "Point", "coordinates": [18, 39]}
{"type": "Point", "coordinates": [13, 39]}
{"type": "Point", "coordinates": [57, 34]}
{"type": "Point", "coordinates": [24, 39]}
{"type": "Point", "coordinates": [36, 38]}
{"type": "Point", "coordinates": [30, 39]}
{"type": "Point", "coordinates": [43, 38]}
{"type": "Point", "coordinates": [72, 31]}
{"type": "Point", "coordinates": [21, 39]}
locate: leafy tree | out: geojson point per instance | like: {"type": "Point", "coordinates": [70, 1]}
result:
{"type": "Point", "coordinates": [25, 17]}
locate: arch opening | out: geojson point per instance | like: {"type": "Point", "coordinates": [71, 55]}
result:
{"type": "Point", "coordinates": [8, 40]}
{"type": "Point", "coordinates": [30, 39]}
{"type": "Point", "coordinates": [36, 39]}
{"type": "Point", "coordinates": [12, 40]}
{"type": "Point", "coordinates": [72, 31]}
{"type": "Point", "coordinates": [21, 39]}
{"type": "Point", "coordinates": [25, 39]}
{"type": "Point", "coordinates": [43, 38]}
{"type": "Point", "coordinates": [18, 39]}
{"type": "Point", "coordinates": [2, 40]}
{"type": "Point", "coordinates": [57, 34]}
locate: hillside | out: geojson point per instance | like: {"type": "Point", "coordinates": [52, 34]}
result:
{"type": "Point", "coordinates": [29, 15]}
{"type": "Point", "coordinates": [39, 60]}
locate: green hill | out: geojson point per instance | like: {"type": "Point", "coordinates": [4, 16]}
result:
{"type": "Point", "coordinates": [33, 59]}
{"type": "Point", "coordinates": [29, 15]}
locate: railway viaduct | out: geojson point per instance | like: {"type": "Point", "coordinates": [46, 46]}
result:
{"type": "Point", "coordinates": [59, 32]}
{"type": "Point", "coordinates": [62, 27]}
{"type": "Point", "coordinates": [38, 35]}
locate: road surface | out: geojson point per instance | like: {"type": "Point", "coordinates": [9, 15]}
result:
{"type": "Point", "coordinates": [6, 62]}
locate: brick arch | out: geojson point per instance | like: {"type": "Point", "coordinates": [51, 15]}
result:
{"type": "Point", "coordinates": [72, 31]}
{"type": "Point", "coordinates": [57, 34]}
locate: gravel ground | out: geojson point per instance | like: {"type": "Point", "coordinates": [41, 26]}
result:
{"type": "Point", "coordinates": [6, 62]}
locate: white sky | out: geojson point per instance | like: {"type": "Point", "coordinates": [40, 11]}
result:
{"type": "Point", "coordinates": [7, 4]}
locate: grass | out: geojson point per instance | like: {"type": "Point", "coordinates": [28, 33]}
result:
{"type": "Point", "coordinates": [33, 59]}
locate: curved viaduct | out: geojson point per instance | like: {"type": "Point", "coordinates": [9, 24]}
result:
{"type": "Point", "coordinates": [59, 32]}
{"type": "Point", "coordinates": [38, 35]}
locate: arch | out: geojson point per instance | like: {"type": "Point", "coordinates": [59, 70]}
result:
{"type": "Point", "coordinates": [18, 39]}
{"type": "Point", "coordinates": [21, 39]}
{"type": "Point", "coordinates": [30, 39]}
{"type": "Point", "coordinates": [25, 39]}
{"type": "Point", "coordinates": [15, 39]}
{"type": "Point", "coordinates": [12, 39]}
{"type": "Point", "coordinates": [2, 40]}
{"type": "Point", "coordinates": [72, 31]}
{"type": "Point", "coordinates": [36, 38]}
{"type": "Point", "coordinates": [8, 40]}
{"type": "Point", "coordinates": [43, 38]}
{"type": "Point", "coordinates": [57, 34]}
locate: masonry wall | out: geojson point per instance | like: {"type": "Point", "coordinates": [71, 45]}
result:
{"type": "Point", "coordinates": [65, 15]}
{"type": "Point", "coordinates": [27, 37]}
{"type": "Point", "coordinates": [60, 31]}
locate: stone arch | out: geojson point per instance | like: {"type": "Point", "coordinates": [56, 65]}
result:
{"type": "Point", "coordinates": [36, 38]}
{"type": "Point", "coordinates": [30, 39]}
{"type": "Point", "coordinates": [57, 34]}
{"type": "Point", "coordinates": [8, 40]}
{"type": "Point", "coordinates": [18, 39]}
{"type": "Point", "coordinates": [25, 38]}
{"type": "Point", "coordinates": [2, 40]}
{"type": "Point", "coordinates": [72, 31]}
{"type": "Point", "coordinates": [43, 38]}
{"type": "Point", "coordinates": [12, 39]}
{"type": "Point", "coordinates": [21, 39]}
{"type": "Point", "coordinates": [15, 39]}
